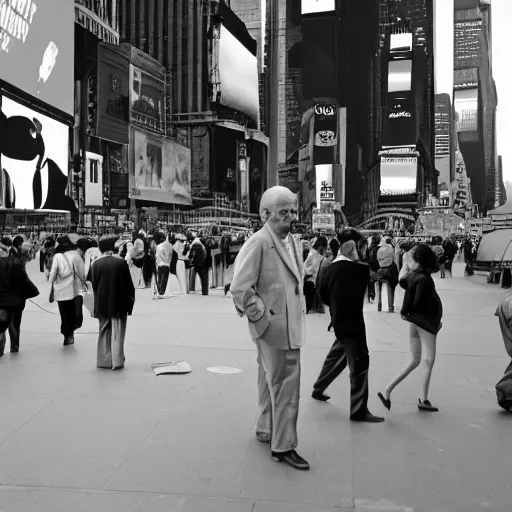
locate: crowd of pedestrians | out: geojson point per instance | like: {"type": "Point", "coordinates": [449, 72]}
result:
{"type": "Point", "coordinates": [277, 281]}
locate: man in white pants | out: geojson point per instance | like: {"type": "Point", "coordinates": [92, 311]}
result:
{"type": "Point", "coordinates": [267, 288]}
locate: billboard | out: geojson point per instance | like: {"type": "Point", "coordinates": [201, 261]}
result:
{"type": "Point", "coordinates": [238, 75]}
{"type": "Point", "coordinates": [93, 179]}
{"type": "Point", "coordinates": [113, 93]}
{"type": "Point", "coordinates": [161, 170]}
{"type": "Point", "coordinates": [37, 49]}
{"type": "Point", "coordinates": [34, 156]}
{"type": "Point", "coordinates": [398, 176]}
{"type": "Point", "coordinates": [314, 6]}
{"type": "Point", "coordinates": [324, 184]}
{"type": "Point", "coordinates": [147, 95]}
{"type": "Point", "coordinates": [400, 126]}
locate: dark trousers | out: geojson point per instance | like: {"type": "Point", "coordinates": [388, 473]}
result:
{"type": "Point", "coordinates": [358, 359]}
{"type": "Point", "coordinates": [148, 269]}
{"type": "Point", "coordinates": [371, 290]}
{"type": "Point", "coordinates": [14, 331]}
{"type": "Point", "coordinates": [162, 279]}
{"type": "Point", "coordinates": [202, 271]}
{"type": "Point", "coordinates": [309, 294]}
{"type": "Point", "coordinates": [42, 257]}
{"type": "Point", "coordinates": [391, 295]}
{"type": "Point", "coordinates": [70, 317]}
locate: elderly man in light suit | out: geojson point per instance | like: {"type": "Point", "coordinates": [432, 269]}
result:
{"type": "Point", "coordinates": [267, 288]}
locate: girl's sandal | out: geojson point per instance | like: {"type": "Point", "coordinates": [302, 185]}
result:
{"type": "Point", "coordinates": [385, 401]}
{"type": "Point", "coordinates": [426, 406]}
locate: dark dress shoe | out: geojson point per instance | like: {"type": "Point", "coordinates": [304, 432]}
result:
{"type": "Point", "coordinates": [366, 417]}
{"type": "Point", "coordinates": [69, 340]}
{"type": "Point", "coordinates": [319, 395]}
{"type": "Point", "coordinates": [15, 350]}
{"type": "Point", "coordinates": [292, 458]}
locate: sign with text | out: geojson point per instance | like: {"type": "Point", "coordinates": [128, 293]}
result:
{"type": "Point", "coordinates": [324, 222]}
{"type": "Point", "coordinates": [324, 184]}
{"type": "Point", "coordinates": [37, 49]}
{"type": "Point", "coordinates": [400, 122]}
{"type": "Point", "coordinates": [98, 17]}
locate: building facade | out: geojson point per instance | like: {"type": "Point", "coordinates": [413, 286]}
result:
{"type": "Point", "coordinates": [403, 111]}
{"type": "Point", "coordinates": [207, 111]}
{"type": "Point", "coordinates": [475, 100]}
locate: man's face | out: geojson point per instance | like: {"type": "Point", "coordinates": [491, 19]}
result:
{"type": "Point", "coordinates": [281, 216]}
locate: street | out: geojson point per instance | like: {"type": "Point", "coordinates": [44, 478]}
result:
{"type": "Point", "coordinates": [77, 439]}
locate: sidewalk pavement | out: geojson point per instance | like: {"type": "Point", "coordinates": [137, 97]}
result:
{"type": "Point", "coordinates": [77, 439]}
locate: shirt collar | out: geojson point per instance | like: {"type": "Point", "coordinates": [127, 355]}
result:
{"type": "Point", "coordinates": [340, 257]}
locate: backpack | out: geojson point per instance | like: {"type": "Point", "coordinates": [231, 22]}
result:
{"type": "Point", "coordinates": [198, 255]}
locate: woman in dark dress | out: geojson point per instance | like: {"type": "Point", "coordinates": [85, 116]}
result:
{"type": "Point", "coordinates": [423, 310]}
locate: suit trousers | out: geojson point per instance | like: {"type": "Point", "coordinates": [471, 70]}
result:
{"type": "Point", "coordinates": [202, 270]}
{"type": "Point", "coordinates": [358, 359]}
{"type": "Point", "coordinates": [162, 278]}
{"type": "Point", "coordinates": [111, 342]}
{"type": "Point", "coordinates": [278, 395]}
{"type": "Point", "coordinates": [14, 331]}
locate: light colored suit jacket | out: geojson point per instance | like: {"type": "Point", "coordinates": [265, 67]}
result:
{"type": "Point", "coordinates": [267, 288]}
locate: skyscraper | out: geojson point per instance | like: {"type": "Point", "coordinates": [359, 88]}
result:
{"type": "Point", "coordinates": [475, 99]}
{"type": "Point", "coordinates": [403, 117]}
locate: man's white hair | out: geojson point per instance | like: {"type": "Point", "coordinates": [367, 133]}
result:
{"type": "Point", "coordinates": [276, 195]}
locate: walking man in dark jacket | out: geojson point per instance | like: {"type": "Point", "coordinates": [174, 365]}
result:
{"type": "Point", "coordinates": [15, 288]}
{"type": "Point", "coordinates": [343, 288]}
{"type": "Point", "coordinates": [114, 298]}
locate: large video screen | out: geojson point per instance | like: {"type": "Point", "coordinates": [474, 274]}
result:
{"type": "Point", "coordinates": [34, 156]}
{"type": "Point", "coordinates": [400, 75]}
{"type": "Point", "coordinates": [314, 6]}
{"type": "Point", "coordinates": [37, 49]}
{"type": "Point", "coordinates": [238, 72]}
{"type": "Point", "coordinates": [161, 170]}
{"type": "Point", "coordinates": [398, 176]}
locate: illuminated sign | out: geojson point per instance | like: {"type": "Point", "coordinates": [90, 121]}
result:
{"type": "Point", "coordinates": [398, 115]}
{"type": "Point", "coordinates": [325, 138]}
{"type": "Point", "coordinates": [314, 6]}
{"type": "Point", "coordinates": [325, 110]}
{"type": "Point", "coordinates": [37, 49]}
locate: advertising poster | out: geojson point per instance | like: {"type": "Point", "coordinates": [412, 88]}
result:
{"type": "Point", "coordinates": [37, 49]}
{"type": "Point", "coordinates": [324, 184]}
{"type": "Point", "coordinates": [161, 170]}
{"type": "Point", "coordinates": [400, 122]}
{"type": "Point", "coordinates": [146, 99]}
{"type": "Point", "coordinates": [238, 73]}
{"type": "Point", "coordinates": [398, 176]}
{"type": "Point", "coordinates": [314, 6]}
{"type": "Point", "coordinates": [324, 222]}
{"type": "Point", "coordinates": [34, 156]}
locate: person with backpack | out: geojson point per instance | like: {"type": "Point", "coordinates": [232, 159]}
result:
{"type": "Point", "coordinates": [198, 265]}
{"type": "Point", "coordinates": [440, 255]}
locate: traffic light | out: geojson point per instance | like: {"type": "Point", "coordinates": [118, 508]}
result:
{"type": "Point", "coordinates": [92, 104]}
{"type": "Point", "coordinates": [77, 170]}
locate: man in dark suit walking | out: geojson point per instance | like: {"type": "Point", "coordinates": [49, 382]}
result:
{"type": "Point", "coordinates": [114, 298]}
{"type": "Point", "coordinates": [343, 289]}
